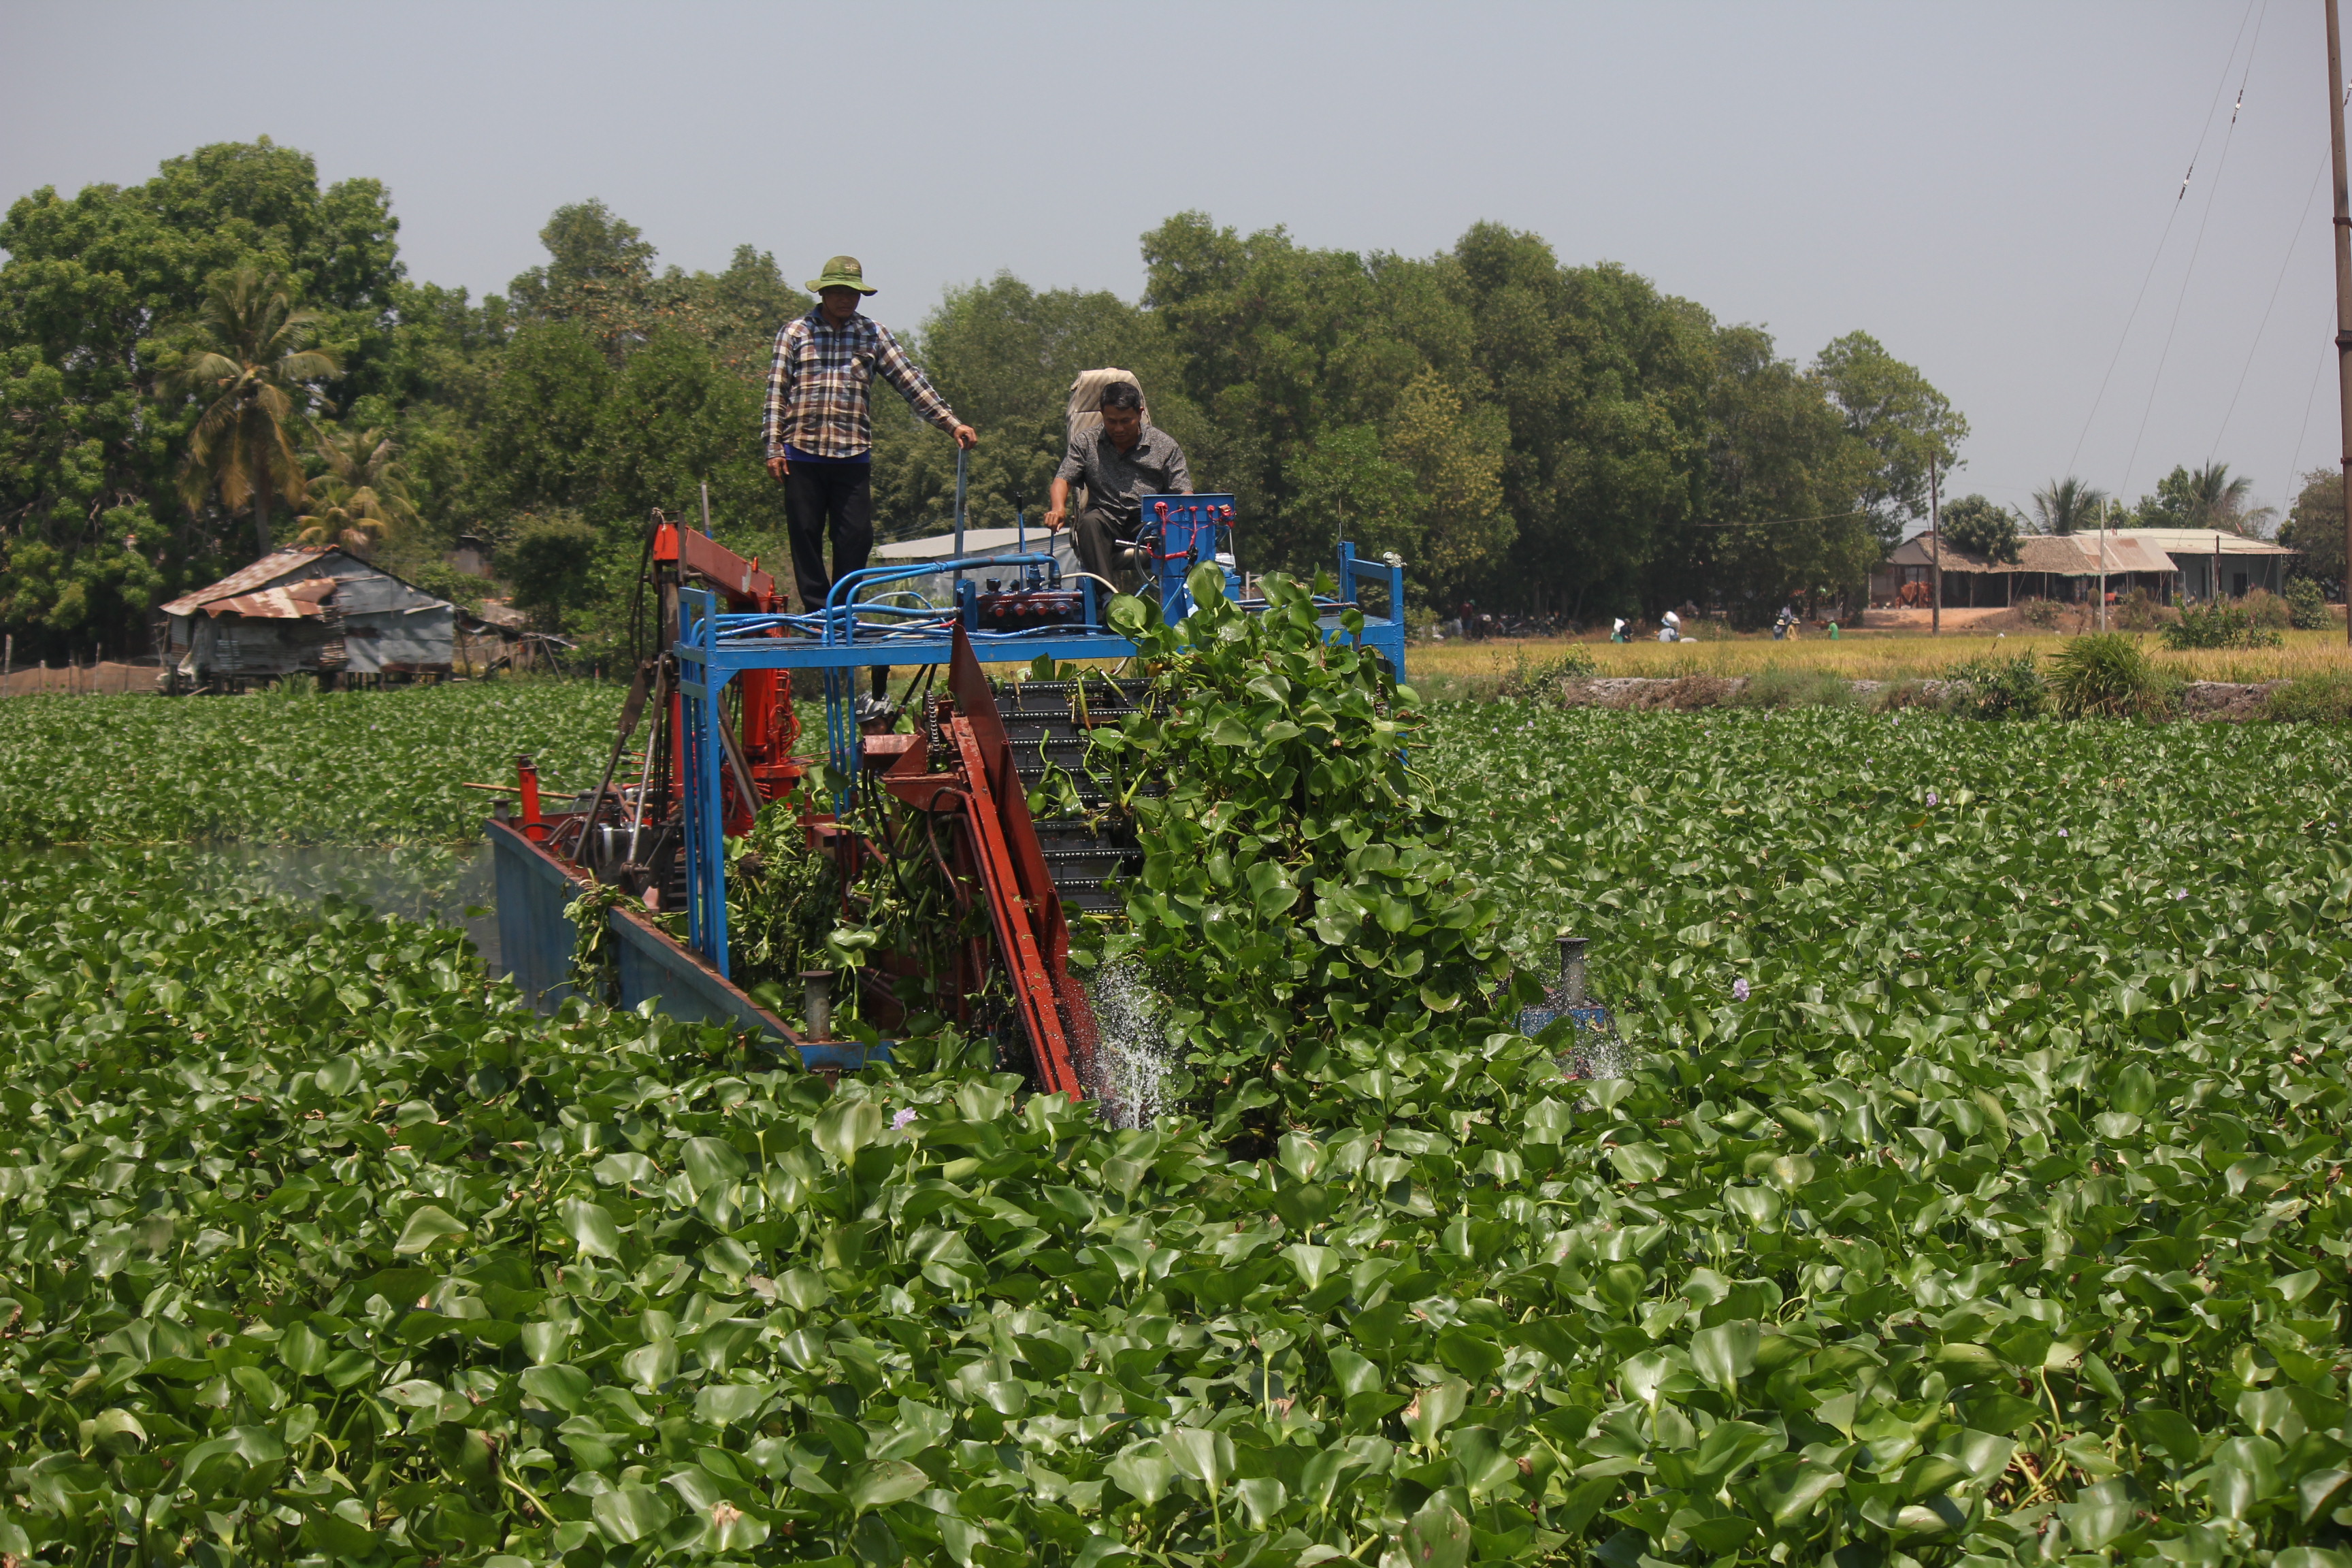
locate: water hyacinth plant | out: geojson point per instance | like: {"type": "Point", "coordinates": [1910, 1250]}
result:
{"type": "Point", "coordinates": [2004, 1225]}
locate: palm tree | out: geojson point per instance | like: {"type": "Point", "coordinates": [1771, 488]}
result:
{"type": "Point", "coordinates": [2214, 499]}
{"type": "Point", "coordinates": [2067, 506]}
{"type": "Point", "coordinates": [251, 363]}
{"type": "Point", "coordinates": [364, 495]}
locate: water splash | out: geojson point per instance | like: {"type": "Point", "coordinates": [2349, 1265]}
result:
{"type": "Point", "coordinates": [1131, 1056]}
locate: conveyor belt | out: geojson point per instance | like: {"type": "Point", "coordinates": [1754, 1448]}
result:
{"type": "Point", "coordinates": [1047, 724]}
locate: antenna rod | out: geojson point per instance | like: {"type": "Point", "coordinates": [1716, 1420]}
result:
{"type": "Point", "coordinates": [2343, 291]}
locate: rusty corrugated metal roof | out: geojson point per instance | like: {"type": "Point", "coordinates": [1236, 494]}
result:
{"type": "Point", "coordinates": [306, 600]}
{"type": "Point", "coordinates": [262, 573]}
{"type": "Point", "coordinates": [2055, 555]}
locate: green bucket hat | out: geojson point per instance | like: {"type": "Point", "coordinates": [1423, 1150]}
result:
{"type": "Point", "coordinates": [841, 272]}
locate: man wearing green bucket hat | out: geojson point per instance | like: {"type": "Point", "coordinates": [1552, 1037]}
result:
{"type": "Point", "coordinates": [819, 425]}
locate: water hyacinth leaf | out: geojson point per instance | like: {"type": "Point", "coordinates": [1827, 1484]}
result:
{"type": "Point", "coordinates": [843, 1128]}
{"type": "Point", "coordinates": [880, 1485]}
{"type": "Point", "coordinates": [726, 1404]}
{"type": "Point", "coordinates": [1143, 1472]}
{"type": "Point", "coordinates": [1435, 1408]}
{"type": "Point", "coordinates": [303, 1353]}
{"type": "Point", "coordinates": [1206, 1457]}
{"type": "Point", "coordinates": [590, 1228]}
{"type": "Point", "coordinates": [1437, 1537]}
{"type": "Point", "coordinates": [630, 1513]}
{"type": "Point", "coordinates": [1474, 1356]}
{"type": "Point", "coordinates": [118, 1431]}
{"type": "Point", "coordinates": [427, 1226]}
{"type": "Point", "coordinates": [1639, 1161]}
{"type": "Point", "coordinates": [712, 1162]}
{"type": "Point", "coordinates": [1725, 1353]}
{"type": "Point", "coordinates": [558, 1386]}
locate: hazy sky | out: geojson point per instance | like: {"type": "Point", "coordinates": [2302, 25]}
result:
{"type": "Point", "coordinates": [1982, 186]}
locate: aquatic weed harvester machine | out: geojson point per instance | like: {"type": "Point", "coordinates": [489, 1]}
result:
{"type": "Point", "coordinates": [931, 818]}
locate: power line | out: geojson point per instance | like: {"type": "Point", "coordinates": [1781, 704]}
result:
{"type": "Point", "coordinates": [2213, 193]}
{"type": "Point", "coordinates": [2302, 431]}
{"type": "Point", "coordinates": [2171, 217]}
{"type": "Point", "coordinates": [2309, 197]}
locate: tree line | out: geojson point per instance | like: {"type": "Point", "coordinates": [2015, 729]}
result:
{"type": "Point", "coordinates": [230, 355]}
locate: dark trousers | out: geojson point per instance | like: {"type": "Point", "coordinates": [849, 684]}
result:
{"type": "Point", "coordinates": [828, 498]}
{"type": "Point", "coordinates": [1094, 531]}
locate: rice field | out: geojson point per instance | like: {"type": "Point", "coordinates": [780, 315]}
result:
{"type": "Point", "coordinates": [1468, 669]}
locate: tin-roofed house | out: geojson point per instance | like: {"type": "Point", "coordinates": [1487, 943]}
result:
{"type": "Point", "coordinates": [313, 609]}
{"type": "Point", "coordinates": [2167, 564]}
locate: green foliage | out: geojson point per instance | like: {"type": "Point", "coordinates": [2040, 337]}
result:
{"type": "Point", "coordinates": [2219, 625]}
{"type": "Point", "coordinates": [94, 297]}
{"type": "Point", "coordinates": [2106, 675]}
{"type": "Point", "coordinates": [1295, 890]}
{"type": "Point", "coordinates": [1541, 681]}
{"type": "Point", "coordinates": [2068, 506]}
{"type": "Point", "coordinates": [2205, 497]}
{"type": "Point", "coordinates": [1908, 427]}
{"type": "Point", "coordinates": [2266, 611]}
{"type": "Point", "coordinates": [2315, 525]}
{"type": "Point", "coordinates": [1523, 432]}
{"type": "Point", "coordinates": [2306, 606]}
{"type": "Point", "coordinates": [366, 767]}
{"type": "Point", "coordinates": [2136, 612]}
{"type": "Point", "coordinates": [1998, 1223]}
{"type": "Point", "coordinates": [1981, 528]}
{"type": "Point", "coordinates": [550, 560]}
{"type": "Point", "coordinates": [1992, 1221]}
{"type": "Point", "coordinates": [1991, 686]}
{"type": "Point", "coordinates": [2311, 698]}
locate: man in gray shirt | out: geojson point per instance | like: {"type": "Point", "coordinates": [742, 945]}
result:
{"type": "Point", "coordinates": [1120, 464]}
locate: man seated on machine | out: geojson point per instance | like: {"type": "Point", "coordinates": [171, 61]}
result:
{"type": "Point", "coordinates": [1120, 465]}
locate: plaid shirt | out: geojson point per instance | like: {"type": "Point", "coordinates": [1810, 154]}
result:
{"type": "Point", "coordinates": [818, 384]}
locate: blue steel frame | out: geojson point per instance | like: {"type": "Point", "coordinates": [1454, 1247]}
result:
{"type": "Point", "coordinates": [864, 624]}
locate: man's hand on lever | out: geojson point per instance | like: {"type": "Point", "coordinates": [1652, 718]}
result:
{"type": "Point", "coordinates": [1057, 505]}
{"type": "Point", "coordinates": [965, 437]}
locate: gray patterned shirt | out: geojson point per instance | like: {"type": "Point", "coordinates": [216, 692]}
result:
{"type": "Point", "coordinates": [1116, 480]}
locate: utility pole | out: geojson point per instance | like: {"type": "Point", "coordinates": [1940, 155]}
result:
{"type": "Point", "coordinates": [2343, 291]}
{"type": "Point", "coordinates": [1936, 547]}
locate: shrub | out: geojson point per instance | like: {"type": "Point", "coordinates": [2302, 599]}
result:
{"type": "Point", "coordinates": [2218, 626]}
{"type": "Point", "coordinates": [2041, 612]}
{"type": "Point", "coordinates": [1996, 688]}
{"type": "Point", "coordinates": [2306, 606]}
{"type": "Point", "coordinates": [1897, 695]}
{"type": "Point", "coordinates": [2138, 613]}
{"type": "Point", "coordinates": [1775, 686]}
{"type": "Point", "coordinates": [2311, 699]}
{"type": "Point", "coordinates": [2107, 675]}
{"type": "Point", "coordinates": [1538, 680]}
{"type": "Point", "coordinates": [2266, 609]}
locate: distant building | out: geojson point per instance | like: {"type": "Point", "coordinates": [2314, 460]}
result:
{"type": "Point", "coordinates": [472, 556]}
{"type": "Point", "coordinates": [315, 609]}
{"type": "Point", "coordinates": [2169, 564]}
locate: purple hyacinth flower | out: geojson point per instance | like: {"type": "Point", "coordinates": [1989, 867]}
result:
{"type": "Point", "coordinates": [1932, 800]}
{"type": "Point", "coordinates": [903, 1117]}
{"type": "Point", "coordinates": [2180, 895]}
{"type": "Point", "coordinates": [2062, 833]}
{"type": "Point", "coordinates": [1739, 990]}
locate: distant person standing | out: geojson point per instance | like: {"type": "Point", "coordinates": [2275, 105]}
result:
{"type": "Point", "coordinates": [819, 427]}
